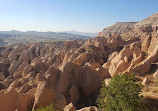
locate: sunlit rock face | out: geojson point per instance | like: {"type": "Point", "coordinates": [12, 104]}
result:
{"type": "Point", "coordinates": [66, 72]}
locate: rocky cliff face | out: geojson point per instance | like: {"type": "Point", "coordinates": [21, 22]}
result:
{"type": "Point", "coordinates": [66, 72]}
{"type": "Point", "coordinates": [150, 21]}
{"type": "Point", "coordinates": [115, 29]}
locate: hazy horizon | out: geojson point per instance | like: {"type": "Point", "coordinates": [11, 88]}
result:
{"type": "Point", "coordinates": [49, 31]}
{"type": "Point", "coordinates": [67, 15]}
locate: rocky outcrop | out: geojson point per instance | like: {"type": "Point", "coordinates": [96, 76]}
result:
{"type": "Point", "coordinates": [91, 108]}
{"type": "Point", "coordinates": [70, 107]}
{"type": "Point", "coordinates": [77, 81]}
{"type": "Point", "coordinates": [120, 62]}
{"type": "Point", "coordinates": [144, 66]}
{"type": "Point", "coordinates": [12, 100]}
{"type": "Point", "coordinates": [115, 29]}
{"type": "Point", "coordinates": [43, 96]}
{"type": "Point", "coordinates": [46, 93]}
{"type": "Point", "coordinates": [146, 81]}
{"type": "Point", "coordinates": [155, 75]}
{"type": "Point", "coordinates": [66, 72]}
{"type": "Point", "coordinates": [104, 72]}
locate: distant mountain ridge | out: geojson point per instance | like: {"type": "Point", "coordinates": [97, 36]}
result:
{"type": "Point", "coordinates": [36, 33]}
{"type": "Point", "coordinates": [90, 34]}
{"type": "Point", "coordinates": [14, 36]}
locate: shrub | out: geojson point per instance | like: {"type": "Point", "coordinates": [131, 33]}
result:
{"type": "Point", "coordinates": [122, 94]}
{"type": "Point", "coordinates": [47, 108]}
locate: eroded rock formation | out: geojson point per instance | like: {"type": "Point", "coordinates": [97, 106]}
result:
{"type": "Point", "coordinates": [60, 73]}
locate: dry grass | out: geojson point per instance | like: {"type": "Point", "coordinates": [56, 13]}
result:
{"type": "Point", "coordinates": [150, 94]}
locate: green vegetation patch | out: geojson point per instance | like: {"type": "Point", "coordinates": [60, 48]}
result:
{"type": "Point", "coordinates": [47, 108]}
{"type": "Point", "coordinates": [122, 94]}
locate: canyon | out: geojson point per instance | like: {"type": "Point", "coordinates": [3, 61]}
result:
{"type": "Point", "coordinates": [69, 74]}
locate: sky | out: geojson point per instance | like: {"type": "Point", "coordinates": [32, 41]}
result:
{"type": "Point", "coordinates": [66, 15]}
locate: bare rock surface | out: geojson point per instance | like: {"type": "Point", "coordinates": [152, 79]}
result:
{"type": "Point", "coordinates": [155, 75]}
{"type": "Point", "coordinates": [63, 72]}
{"type": "Point", "coordinates": [70, 107]}
{"type": "Point", "coordinates": [117, 28]}
{"type": "Point", "coordinates": [13, 100]}
{"type": "Point", "coordinates": [146, 81]}
{"type": "Point", "coordinates": [79, 79]}
{"type": "Point", "coordinates": [91, 108]}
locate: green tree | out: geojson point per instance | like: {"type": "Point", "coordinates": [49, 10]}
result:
{"type": "Point", "coordinates": [47, 108]}
{"type": "Point", "coordinates": [122, 94]}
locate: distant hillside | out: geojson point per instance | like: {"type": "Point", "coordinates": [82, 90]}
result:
{"type": "Point", "coordinates": [82, 33]}
{"type": "Point", "coordinates": [11, 37]}
{"type": "Point", "coordinates": [115, 29]}
{"type": "Point", "coordinates": [150, 21]}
